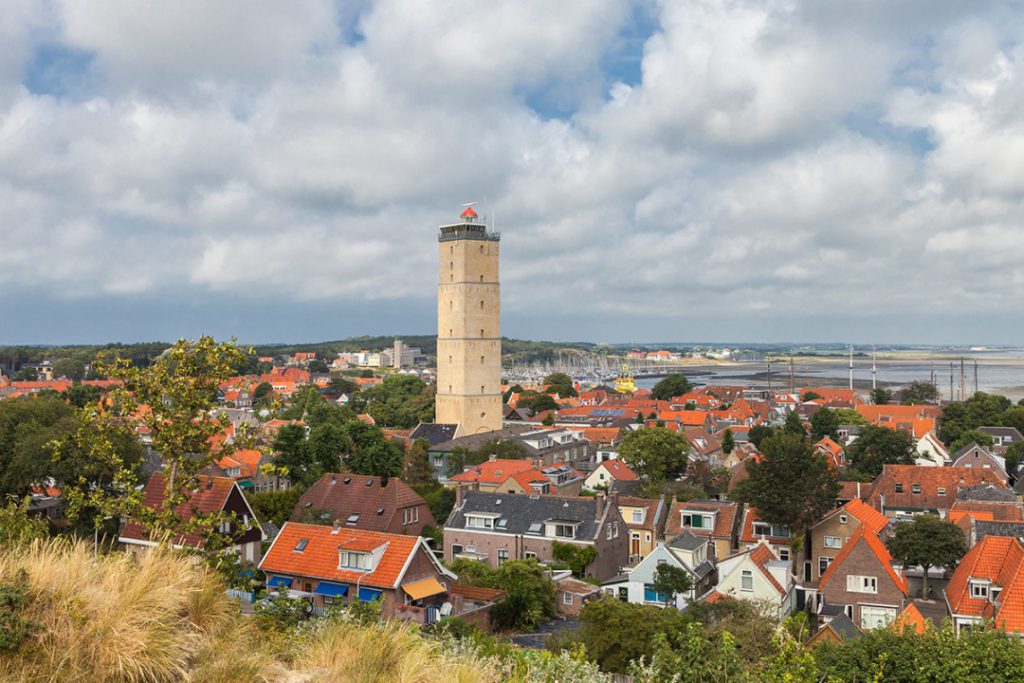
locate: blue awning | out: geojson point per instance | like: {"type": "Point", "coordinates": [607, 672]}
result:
{"type": "Point", "coordinates": [330, 589]}
{"type": "Point", "coordinates": [369, 594]}
{"type": "Point", "coordinates": [279, 582]}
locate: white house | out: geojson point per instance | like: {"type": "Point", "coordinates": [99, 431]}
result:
{"type": "Point", "coordinates": [758, 575]}
{"type": "Point", "coordinates": [931, 452]}
{"type": "Point", "coordinates": [686, 551]}
{"type": "Point", "coordinates": [606, 472]}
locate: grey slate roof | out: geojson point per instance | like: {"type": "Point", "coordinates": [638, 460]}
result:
{"type": "Point", "coordinates": [967, 449]}
{"type": "Point", "coordinates": [985, 528]}
{"type": "Point", "coordinates": [1011, 432]}
{"type": "Point", "coordinates": [522, 511]}
{"type": "Point", "coordinates": [987, 492]}
{"type": "Point", "coordinates": [845, 627]}
{"type": "Point", "coordinates": [687, 541]}
{"type": "Point", "coordinates": [434, 432]}
{"type": "Point", "coordinates": [703, 569]}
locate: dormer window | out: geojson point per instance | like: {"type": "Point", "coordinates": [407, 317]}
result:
{"type": "Point", "coordinates": [941, 491]}
{"type": "Point", "coordinates": [695, 520]}
{"type": "Point", "coordinates": [979, 589]}
{"type": "Point", "coordinates": [565, 531]}
{"type": "Point", "coordinates": [348, 559]}
{"type": "Point", "coordinates": [480, 521]}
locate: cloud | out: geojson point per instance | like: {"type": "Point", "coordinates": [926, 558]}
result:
{"type": "Point", "coordinates": [768, 165]}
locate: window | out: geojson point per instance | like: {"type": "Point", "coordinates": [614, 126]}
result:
{"type": "Point", "coordinates": [477, 522]}
{"type": "Point", "coordinates": [747, 580]}
{"type": "Point", "coordinates": [651, 595]}
{"type": "Point", "coordinates": [481, 278]}
{"type": "Point", "coordinates": [899, 488]}
{"type": "Point", "coordinates": [352, 519]}
{"type": "Point", "coordinates": [481, 388]}
{"type": "Point", "coordinates": [849, 610]}
{"type": "Point", "coordinates": [612, 531]}
{"type": "Point", "coordinates": [823, 563]}
{"type": "Point", "coordinates": [566, 598]}
{"type": "Point", "coordinates": [624, 593]}
{"type": "Point", "coordinates": [566, 531]}
{"type": "Point", "coordinates": [696, 521]}
{"type": "Point", "coordinates": [353, 560]}
{"type": "Point", "coordinates": [301, 545]}
{"type": "Point", "coordinates": [410, 515]}
{"type": "Point", "coordinates": [502, 557]}
{"type": "Point", "coordinates": [481, 331]}
{"type": "Point", "coordinates": [842, 519]}
{"type": "Point", "coordinates": [225, 527]}
{"type": "Point", "coordinates": [529, 554]}
{"type": "Point", "coordinates": [481, 304]}
{"type": "Point", "coordinates": [762, 529]}
{"type": "Point", "coordinates": [833, 542]}
{"type": "Point", "coordinates": [456, 549]}
{"type": "Point", "coordinates": [784, 554]}
{"type": "Point", "coordinates": [979, 589]}
{"type": "Point", "coordinates": [915, 488]}
{"type": "Point", "coordinates": [861, 584]}
{"type": "Point", "coordinates": [438, 461]}
{"type": "Point", "coordinates": [481, 249]}
{"type": "Point", "coordinates": [481, 360]}
{"type": "Point", "coordinates": [941, 491]}
{"type": "Point", "coordinates": [638, 516]}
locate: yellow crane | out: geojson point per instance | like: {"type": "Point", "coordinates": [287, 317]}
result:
{"type": "Point", "coordinates": [625, 384]}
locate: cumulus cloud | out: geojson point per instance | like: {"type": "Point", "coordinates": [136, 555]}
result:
{"type": "Point", "coordinates": [768, 165]}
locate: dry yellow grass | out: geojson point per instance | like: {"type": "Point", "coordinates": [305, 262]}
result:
{"type": "Point", "coordinates": [165, 619]}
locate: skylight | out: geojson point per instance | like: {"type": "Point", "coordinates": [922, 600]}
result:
{"type": "Point", "coordinates": [353, 518]}
{"type": "Point", "coordinates": [301, 545]}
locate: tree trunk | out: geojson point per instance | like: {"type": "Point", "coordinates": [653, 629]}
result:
{"type": "Point", "coordinates": [924, 581]}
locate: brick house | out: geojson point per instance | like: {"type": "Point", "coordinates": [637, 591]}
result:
{"type": "Point", "coordinates": [338, 565]}
{"type": "Point", "coordinates": [902, 491]}
{"type": "Point", "coordinates": [362, 502]}
{"type": "Point", "coordinates": [212, 496]}
{"type": "Point", "coordinates": [863, 581]}
{"type": "Point", "coordinates": [988, 585]}
{"type": "Point", "coordinates": [754, 531]}
{"type": "Point", "coordinates": [571, 594]}
{"type": "Point", "coordinates": [714, 519]}
{"type": "Point", "coordinates": [828, 537]}
{"type": "Point", "coordinates": [494, 527]}
{"type": "Point", "coordinates": [520, 476]}
{"type": "Point", "coordinates": [974, 456]}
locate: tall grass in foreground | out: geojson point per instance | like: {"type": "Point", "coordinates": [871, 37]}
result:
{"type": "Point", "coordinates": [164, 618]}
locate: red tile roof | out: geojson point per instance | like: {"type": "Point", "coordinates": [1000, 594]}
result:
{"type": "Point", "coordinates": [877, 548]}
{"type": "Point", "coordinates": [867, 515]}
{"type": "Point", "coordinates": [493, 471]}
{"type": "Point", "coordinates": [747, 532]}
{"type": "Point", "coordinates": [364, 495]}
{"type": "Point", "coordinates": [999, 559]}
{"type": "Point", "coordinates": [833, 450]}
{"type": "Point", "coordinates": [761, 555]}
{"type": "Point", "coordinates": [618, 470]}
{"type": "Point", "coordinates": [319, 559]}
{"type": "Point", "coordinates": [209, 498]}
{"type": "Point", "coordinates": [910, 619]}
{"type": "Point", "coordinates": [930, 479]}
{"type": "Point", "coordinates": [724, 520]}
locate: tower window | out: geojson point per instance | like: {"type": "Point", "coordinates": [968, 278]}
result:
{"type": "Point", "coordinates": [481, 360]}
{"type": "Point", "coordinates": [450, 332]}
{"type": "Point", "coordinates": [481, 388]}
{"type": "Point", "coordinates": [481, 248]}
{"type": "Point", "coordinates": [451, 265]}
{"type": "Point", "coordinates": [451, 278]}
{"type": "Point", "coordinates": [483, 415]}
{"type": "Point", "coordinates": [481, 304]}
{"type": "Point", "coordinates": [449, 359]}
{"type": "Point", "coordinates": [481, 278]}
{"type": "Point", "coordinates": [451, 249]}
{"type": "Point", "coordinates": [451, 304]}
{"type": "Point", "coordinates": [449, 388]}
{"type": "Point", "coordinates": [481, 331]}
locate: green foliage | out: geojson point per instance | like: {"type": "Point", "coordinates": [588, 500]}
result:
{"type": "Point", "coordinates": [276, 611]}
{"type": "Point", "coordinates": [80, 395]}
{"type": "Point", "coordinates": [810, 396]}
{"type": "Point", "coordinates": [438, 498]}
{"type": "Point", "coordinates": [880, 396]}
{"type": "Point", "coordinates": [879, 446]}
{"type": "Point", "coordinates": [15, 625]}
{"type": "Point", "coordinates": [670, 387]}
{"type": "Point", "coordinates": [927, 542]}
{"type": "Point", "coordinates": [274, 506]}
{"type": "Point", "coordinates": [341, 385]}
{"type": "Point", "coordinates": [262, 390]}
{"type": "Point", "coordinates": [791, 486]}
{"type": "Point", "coordinates": [616, 633]}
{"type": "Point", "coordinates": [577, 557]}
{"type": "Point", "coordinates": [549, 419]}
{"type": "Point", "coordinates": [920, 392]}
{"type": "Point", "coordinates": [793, 425]}
{"type": "Point", "coordinates": [728, 441]}
{"type": "Point", "coordinates": [560, 383]}
{"type": "Point", "coordinates": [1014, 456]}
{"type": "Point", "coordinates": [971, 436]}
{"type": "Point", "coordinates": [849, 416]}
{"type": "Point", "coordinates": [759, 433]}
{"type": "Point", "coordinates": [824, 423]}
{"type": "Point", "coordinates": [711, 479]}
{"type": "Point", "coordinates": [1013, 417]}
{"type": "Point", "coordinates": [670, 581]}
{"type": "Point", "coordinates": [17, 526]}
{"type": "Point", "coordinates": [655, 454]}
{"type": "Point", "coordinates": [979, 410]}
{"type": "Point", "coordinates": [535, 402]}
{"type": "Point", "coordinates": [400, 401]}
{"type": "Point", "coordinates": [418, 469]}
{"type": "Point", "coordinates": [530, 594]}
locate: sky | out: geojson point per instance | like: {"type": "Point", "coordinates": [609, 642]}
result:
{"type": "Point", "coordinates": [816, 171]}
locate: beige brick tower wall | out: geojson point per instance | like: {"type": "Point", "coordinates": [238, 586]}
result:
{"type": "Point", "coordinates": [469, 329]}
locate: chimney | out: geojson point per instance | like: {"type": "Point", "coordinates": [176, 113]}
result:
{"type": "Point", "coordinates": [383, 482]}
{"type": "Point", "coordinates": [458, 496]}
{"type": "Point", "coordinates": [492, 457]}
{"type": "Point", "coordinates": [600, 506]}
{"type": "Point", "coordinates": [613, 497]}
{"type": "Point", "coordinates": [476, 485]}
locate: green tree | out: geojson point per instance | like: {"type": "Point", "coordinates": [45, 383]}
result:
{"type": "Point", "coordinates": [341, 385]}
{"type": "Point", "coordinates": [293, 453]}
{"type": "Point", "coordinates": [80, 395]}
{"type": "Point", "coordinates": [824, 423]}
{"type": "Point", "coordinates": [655, 454]}
{"type": "Point", "coordinates": [670, 581]}
{"type": "Point", "coordinates": [880, 446]}
{"type": "Point", "coordinates": [920, 392]}
{"type": "Point", "coordinates": [668, 388]}
{"type": "Point", "coordinates": [927, 542]}
{"type": "Point", "coordinates": [849, 416]}
{"type": "Point", "coordinates": [728, 441]}
{"type": "Point", "coordinates": [560, 383]}
{"type": "Point", "coordinates": [71, 368]}
{"type": "Point", "coordinates": [529, 592]}
{"type": "Point", "coordinates": [791, 486]}
{"type": "Point", "coordinates": [810, 396]}
{"type": "Point", "coordinates": [880, 396]}
{"type": "Point", "coordinates": [759, 433]}
{"type": "Point", "coordinates": [617, 633]}
{"type": "Point", "coordinates": [1014, 456]}
{"type": "Point", "coordinates": [274, 506]}
{"type": "Point", "coordinates": [374, 453]}
{"type": "Point", "coordinates": [418, 469]}
{"type": "Point", "coordinates": [17, 526]}
{"type": "Point", "coordinates": [537, 403]}
{"type": "Point", "coordinates": [971, 436]}
{"type": "Point", "coordinates": [262, 391]}
{"type": "Point", "coordinates": [549, 419]}
{"type": "Point", "coordinates": [979, 410]}
{"type": "Point", "coordinates": [577, 557]}
{"type": "Point", "coordinates": [794, 425]}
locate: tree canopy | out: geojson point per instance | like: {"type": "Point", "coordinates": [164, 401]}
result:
{"type": "Point", "coordinates": [927, 542]}
{"type": "Point", "coordinates": [880, 446]}
{"type": "Point", "coordinates": [979, 410]}
{"type": "Point", "coordinates": [671, 386]}
{"type": "Point", "coordinates": [655, 454]}
{"type": "Point", "coordinates": [560, 383]}
{"type": "Point", "coordinates": [824, 423]}
{"type": "Point", "coordinates": [920, 392]}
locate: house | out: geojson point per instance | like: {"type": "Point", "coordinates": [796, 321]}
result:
{"type": "Point", "coordinates": [713, 519]}
{"type": "Point", "coordinates": [973, 455]}
{"type": "Point", "coordinates": [434, 433]}
{"type": "Point", "coordinates": [687, 552]}
{"type": "Point", "coordinates": [571, 594]}
{"type": "Point", "coordinates": [754, 531]}
{"type": "Point", "coordinates": [902, 491]}
{"type": "Point", "coordinates": [338, 565]}
{"type": "Point", "coordinates": [758, 575]}
{"type": "Point", "coordinates": [606, 472]}
{"type": "Point", "coordinates": [489, 476]}
{"type": "Point", "coordinates": [212, 496]}
{"type": "Point", "coordinates": [362, 502]}
{"type": "Point", "coordinates": [863, 581]}
{"type": "Point", "coordinates": [494, 527]}
{"type": "Point", "coordinates": [1002, 437]}
{"type": "Point", "coordinates": [910, 620]}
{"type": "Point", "coordinates": [644, 518]}
{"type": "Point", "coordinates": [988, 585]}
{"type": "Point", "coordinates": [839, 629]}
{"type": "Point", "coordinates": [830, 534]}
{"type": "Point", "coordinates": [831, 451]}
{"type": "Point", "coordinates": [542, 446]}
{"type": "Point", "coordinates": [520, 476]}
{"type": "Point", "coordinates": [931, 451]}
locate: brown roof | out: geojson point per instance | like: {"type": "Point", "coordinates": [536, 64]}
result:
{"type": "Point", "coordinates": [211, 497]}
{"type": "Point", "coordinates": [724, 520]}
{"type": "Point", "coordinates": [476, 593]}
{"type": "Point", "coordinates": [571, 585]}
{"type": "Point", "coordinates": [930, 479]}
{"type": "Point", "coordinates": [344, 494]}
{"type": "Point", "coordinates": [650, 519]}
